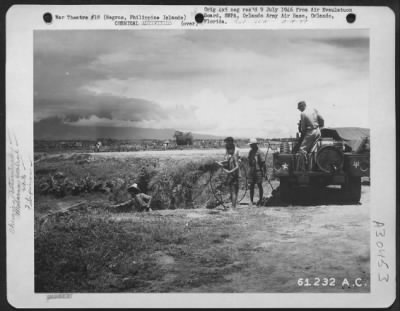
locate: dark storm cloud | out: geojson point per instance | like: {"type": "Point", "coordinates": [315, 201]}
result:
{"type": "Point", "coordinates": [350, 49]}
{"type": "Point", "coordinates": [272, 42]}
{"type": "Point", "coordinates": [359, 43]}
{"type": "Point", "coordinates": [65, 62]}
{"type": "Point", "coordinates": [73, 108]}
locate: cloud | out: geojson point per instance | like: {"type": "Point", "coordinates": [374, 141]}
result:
{"type": "Point", "coordinates": [72, 108]}
{"type": "Point", "coordinates": [359, 43]}
{"type": "Point", "coordinates": [96, 121]}
{"type": "Point", "coordinates": [213, 81]}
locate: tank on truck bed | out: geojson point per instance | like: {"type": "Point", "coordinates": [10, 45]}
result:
{"type": "Point", "coordinates": [340, 157]}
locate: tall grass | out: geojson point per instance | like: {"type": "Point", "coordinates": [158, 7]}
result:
{"type": "Point", "coordinates": [83, 252]}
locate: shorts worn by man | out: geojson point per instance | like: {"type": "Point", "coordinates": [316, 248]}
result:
{"type": "Point", "coordinates": [310, 123]}
{"type": "Point", "coordinates": [232, 163]}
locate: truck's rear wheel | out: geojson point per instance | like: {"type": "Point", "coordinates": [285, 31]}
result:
{"type": "Point", "coordinates": [352, 189]}
{"type": "Point", "coordinates": [285, 190]}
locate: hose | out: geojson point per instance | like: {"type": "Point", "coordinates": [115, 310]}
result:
{"type": "Point", "coordinates": [220, 201]}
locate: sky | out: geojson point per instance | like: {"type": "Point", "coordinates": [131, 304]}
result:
{"type": "Point", "coordinates": [241, 83]}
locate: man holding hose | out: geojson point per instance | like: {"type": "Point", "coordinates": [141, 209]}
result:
{"type": "Point", "coordinates": [231, 166]}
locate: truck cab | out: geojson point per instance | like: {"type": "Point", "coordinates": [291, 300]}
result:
{"type": "Point", "coordinates": [341, 156]}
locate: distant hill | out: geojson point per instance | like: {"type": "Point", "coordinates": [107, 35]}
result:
{"type": "Point", "coordinates": [55, 129]}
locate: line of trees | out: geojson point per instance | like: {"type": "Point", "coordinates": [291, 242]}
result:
{"type": "Point", "coordinates": [183, 138]}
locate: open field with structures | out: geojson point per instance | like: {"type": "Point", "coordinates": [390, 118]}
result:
{"type": "Point", "coordinates": [188, 243]}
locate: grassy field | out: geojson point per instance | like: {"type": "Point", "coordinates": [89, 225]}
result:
{"type": "Point", "coordinates": [91, 248]}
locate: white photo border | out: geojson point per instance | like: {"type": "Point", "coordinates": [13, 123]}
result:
{"type": "Point", "coordinates": [22, 20]}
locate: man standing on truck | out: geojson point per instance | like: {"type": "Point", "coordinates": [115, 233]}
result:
{"type": "Point", "coordinates": [257, 170]}
{"type": "Point", "coordinates": [310, 123]}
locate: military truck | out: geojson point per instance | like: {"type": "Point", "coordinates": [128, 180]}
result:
{"type": "Point", "coordinates": [340, 157]}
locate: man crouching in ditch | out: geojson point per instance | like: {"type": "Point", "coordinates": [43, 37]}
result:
{"type": "Point", "coordinates": [140, 201]}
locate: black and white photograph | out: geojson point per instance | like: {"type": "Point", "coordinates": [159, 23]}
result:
{"type": "Point", "coordinates": [153, 153]}
{"type": "Point", "coordinates": [201, 161]}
